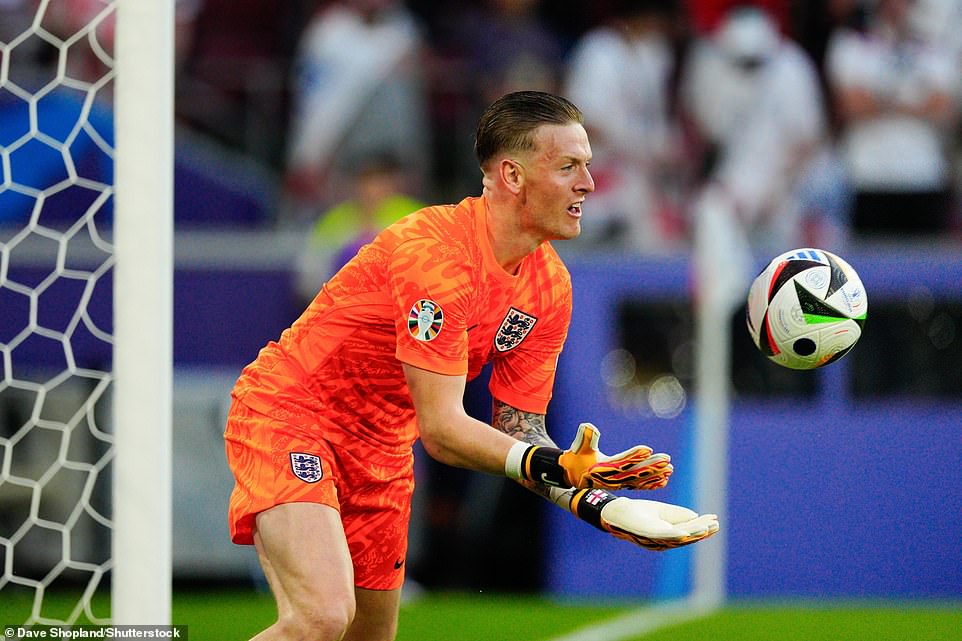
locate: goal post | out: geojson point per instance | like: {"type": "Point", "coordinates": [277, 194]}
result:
{"type": "Point", "coordinates": [86, 299]}
{"type": "Point", "coordinates": [722, 257]}
{"type": "Point", "coordinates": [143, 303]}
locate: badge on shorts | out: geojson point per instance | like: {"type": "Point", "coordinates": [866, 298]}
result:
{"type": "Point", "coordinates": [307, 467]}
{"type": "Point", "coordinates": [514, 328]}
{"type": "Point", "coordinates": [425, 320]}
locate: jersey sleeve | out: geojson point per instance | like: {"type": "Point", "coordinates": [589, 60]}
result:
{"type": "Point", "coordinates": [430, 288]}
{"type": "Point", "coordinates": [524, 378]}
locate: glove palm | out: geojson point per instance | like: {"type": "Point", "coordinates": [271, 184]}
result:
{"type": "Point", "coordinates": [654, 525]}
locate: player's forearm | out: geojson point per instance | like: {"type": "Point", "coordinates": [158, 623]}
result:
{"type": "Point", "coordinates": [461, 441]}
{"type": "Point", "coordinates": [523, 426]}
{"type": "Point", "coordinates": [565, 498]}
{"type": "Point", "coordinates": [448, 434]}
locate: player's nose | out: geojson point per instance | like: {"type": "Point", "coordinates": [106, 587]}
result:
{"type": "Point", "coordinates": [586, 184]}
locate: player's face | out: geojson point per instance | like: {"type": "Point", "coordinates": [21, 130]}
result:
{"type": "Point", "coordinates": [556, 182]}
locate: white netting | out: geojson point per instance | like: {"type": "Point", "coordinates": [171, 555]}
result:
{"type": "Point", "coordinates": [56, 259]}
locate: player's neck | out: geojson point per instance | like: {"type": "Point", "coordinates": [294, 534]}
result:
{"type": "Point", "coordinates": [509, 244]}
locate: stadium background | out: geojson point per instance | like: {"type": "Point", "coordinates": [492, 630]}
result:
{"type": "Point", "coordinates": [845, 484]}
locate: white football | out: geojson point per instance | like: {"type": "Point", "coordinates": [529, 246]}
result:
{"type": "Point", "coordinates": [806, 309]}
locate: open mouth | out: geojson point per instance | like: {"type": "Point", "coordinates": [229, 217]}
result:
{"type": "Point", "coordinates": [575, 210]}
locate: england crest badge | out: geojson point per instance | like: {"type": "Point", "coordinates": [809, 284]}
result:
{"type": "Point", "coordinates": [515, 326]}
{"type": "Point", "coordinates": [307, 467]}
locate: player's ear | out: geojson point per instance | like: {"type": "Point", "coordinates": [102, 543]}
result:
{"type": "Point", "coordinates": [512, 174]}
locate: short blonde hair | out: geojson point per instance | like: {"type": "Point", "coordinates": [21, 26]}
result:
{"type": "Point", "coordinates": [509, 123]}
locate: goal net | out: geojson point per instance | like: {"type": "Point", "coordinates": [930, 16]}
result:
{"type": "Point", "coordinates": [85, 245]}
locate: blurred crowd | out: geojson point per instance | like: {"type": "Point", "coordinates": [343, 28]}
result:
{"type": "Point", "coordinates": [812, 122]}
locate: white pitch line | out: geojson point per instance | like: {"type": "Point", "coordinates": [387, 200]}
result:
{"type": "Point", "coordinates": [641, 621]}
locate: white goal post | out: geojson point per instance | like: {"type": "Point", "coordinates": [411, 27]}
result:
{"type": "Point", "coordinates": [143, 304]}
{"type": "Point", "coordinates": [86, 306]}
{"type": "Point", "coordinates": [722, 257]}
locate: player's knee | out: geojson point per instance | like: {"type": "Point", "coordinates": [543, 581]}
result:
{"type": "Point", "coordinates": [327, 622]}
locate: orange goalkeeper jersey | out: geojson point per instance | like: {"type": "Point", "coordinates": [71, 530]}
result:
{"type": "Point", "coordinates": [427, 292]}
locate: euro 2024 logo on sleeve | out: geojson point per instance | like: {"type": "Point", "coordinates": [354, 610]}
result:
{"type": "Point", "coordinates": [425, 320]}
{"type": "Point", "coordinates": [307, 467]}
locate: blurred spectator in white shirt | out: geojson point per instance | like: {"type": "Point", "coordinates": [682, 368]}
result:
{"type": "Point", "coordinates": [619, 74]}
{"type": "Point", "coordinates": [896, 94]}
{"type": "Point", "coordinates": [357, 91]}
{"type": "Point", "coordinates": [939, 22]}
{"type": "Point", "coordinates": [756, 109]}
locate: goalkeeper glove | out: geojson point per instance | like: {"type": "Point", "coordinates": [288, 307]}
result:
{"type": "Point", "coordinates": [584, 466]}
{"type": "Point", "coordinates": [650, 524]}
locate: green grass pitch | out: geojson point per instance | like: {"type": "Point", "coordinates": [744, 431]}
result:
{"type": "Point", "coordinates": [236, 615]}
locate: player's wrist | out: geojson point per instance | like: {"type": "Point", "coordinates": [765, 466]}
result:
{"type": "Point", "coordinates": [587, 505]}
{"type": "Point", "coordinates": [536, 463]}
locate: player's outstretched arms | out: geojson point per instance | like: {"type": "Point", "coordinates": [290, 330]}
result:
{"type": "Point", "coordinates": [585, 466]}
{"type": "Point", "coordinates": [651, 524]}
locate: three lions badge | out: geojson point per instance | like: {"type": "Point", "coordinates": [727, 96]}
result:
{"type": "Point", "coordinates": [515, 326]}
{"type": "Point", "coordinates": [307, 467]}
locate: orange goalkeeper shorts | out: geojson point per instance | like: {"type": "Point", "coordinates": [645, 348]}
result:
{"type": "Point", "coordinates": [274, 462]}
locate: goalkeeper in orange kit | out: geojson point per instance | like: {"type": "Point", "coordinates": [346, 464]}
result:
{"type": "Point", "coordinates": [322, 423]}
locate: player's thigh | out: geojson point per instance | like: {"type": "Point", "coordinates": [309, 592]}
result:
{"type": "Point", "coordinates": [306, 560]}
{"type": "Point", "coordinates": [377, 615]}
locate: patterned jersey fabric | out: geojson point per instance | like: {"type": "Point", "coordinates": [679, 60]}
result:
{"type": "Point", "coordinates": [427, 292]}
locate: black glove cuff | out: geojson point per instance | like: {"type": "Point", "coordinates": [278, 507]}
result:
{"type": "Point", "coordinates": [587, 505]}
{"type": "Point", "coordinates": [541, 465]}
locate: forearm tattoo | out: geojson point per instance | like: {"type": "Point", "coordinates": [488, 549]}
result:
{"type": "Point", "coordinates": [524, 426]}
